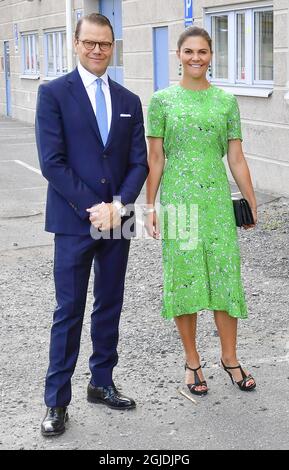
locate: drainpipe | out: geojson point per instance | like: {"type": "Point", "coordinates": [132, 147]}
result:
{"type": "Point", "coordinates": [69, 34]}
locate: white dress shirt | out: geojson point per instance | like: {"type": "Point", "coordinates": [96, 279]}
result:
{"type": "Point", "coordinates": [89, 82]}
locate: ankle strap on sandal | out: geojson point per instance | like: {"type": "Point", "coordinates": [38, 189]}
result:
{"type": "Point", "coordinates": [190, 368]}
{"type": "Point", "coordinates": [229, 367]}
{"type": "Point", "coordinates": [234, 367]}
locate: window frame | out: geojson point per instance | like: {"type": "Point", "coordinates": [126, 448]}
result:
{"type": "Point", "coordinates": [250, 47]}
{"type": "Point", "coordinates": [32, 43]}
{"type": "Point", "coordinates": [61, 33]}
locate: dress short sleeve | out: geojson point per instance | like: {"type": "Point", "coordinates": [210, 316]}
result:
{"type": "Point", "coordinates": [234, 130]}
{"type": "Point", "coordinates": [155, 118]}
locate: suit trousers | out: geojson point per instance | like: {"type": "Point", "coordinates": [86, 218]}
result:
{"type": "Point", "coordinates": [73, 259]}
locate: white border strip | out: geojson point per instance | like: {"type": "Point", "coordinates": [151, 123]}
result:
{"type": "Point", "coordinates": [29, 167]}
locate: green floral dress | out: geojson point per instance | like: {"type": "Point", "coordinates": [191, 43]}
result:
{"type": "Point", "coordinates": [201, 256]}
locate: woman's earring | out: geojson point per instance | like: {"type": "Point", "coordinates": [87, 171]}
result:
{"type": "Point", "coordinates": [180, 70]}
{"type": "Point", "coordinates": [210, 70]}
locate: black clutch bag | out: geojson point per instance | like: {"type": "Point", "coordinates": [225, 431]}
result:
{"type": "Point", "coordinates": [243, 213]}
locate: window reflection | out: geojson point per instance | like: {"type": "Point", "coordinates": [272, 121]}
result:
{"type": "Point", "coordinates": [264, 45]}
{"type": "Point", "coordinates": [220, 39]}
{"type": "Point", "coordinates": [241, 71]}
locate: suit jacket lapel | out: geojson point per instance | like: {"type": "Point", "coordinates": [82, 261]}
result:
{"type": "Point", "coordinates": [79, 93]}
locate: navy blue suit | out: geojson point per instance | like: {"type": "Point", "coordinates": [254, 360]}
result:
{"type": "Point", "coordinates": [82, 172]}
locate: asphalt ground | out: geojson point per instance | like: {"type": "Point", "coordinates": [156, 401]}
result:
{"type": "Point", "coordinates": [151, 361]}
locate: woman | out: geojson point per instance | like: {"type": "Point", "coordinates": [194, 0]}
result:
{"type": "Point", "coordinates": [193, 125]}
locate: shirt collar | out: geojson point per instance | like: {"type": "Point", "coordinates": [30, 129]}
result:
{"type": "Point", "coordinates": [88, 78]}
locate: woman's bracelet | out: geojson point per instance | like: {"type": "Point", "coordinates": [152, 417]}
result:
{"type": "Point", "coordinates": [148, 210]}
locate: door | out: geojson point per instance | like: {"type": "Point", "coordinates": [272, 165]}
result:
{"type": "Point", "coordinates": [161, 58]}
{"type": "Point", "coordinates": [113, 11]}
{"type": "Point", "coordinates": [7, 77]}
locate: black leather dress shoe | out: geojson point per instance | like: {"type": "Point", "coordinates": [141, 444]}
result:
{"type": "Point", "coordinates": [54, 422]}
{"type": "Point", "coordinates": [110, 397]}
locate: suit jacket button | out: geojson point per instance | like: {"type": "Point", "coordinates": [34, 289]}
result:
{"type": "Point", "coordinates": [105, 156]}
{"type": "Point", "coordinates": [103, 180]}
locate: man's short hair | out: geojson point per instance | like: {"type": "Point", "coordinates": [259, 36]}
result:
{"type": "Point", "coordinates": [95, 18]}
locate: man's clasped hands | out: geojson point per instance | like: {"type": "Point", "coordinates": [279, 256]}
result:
{"type": "Point", "coordinates": [104, 216]}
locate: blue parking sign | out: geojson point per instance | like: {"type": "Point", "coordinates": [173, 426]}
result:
{"type": "Point", "coordinates": [188, 12]}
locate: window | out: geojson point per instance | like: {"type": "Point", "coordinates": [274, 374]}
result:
{"type": "Point", "coordinates": [220, 35]}
{"type": "Point", "coordinates": [241, 74]}
{"type": "Point", "coordinates": [30, 56]}
{"type": "Point", "coordinates": [55, 53]}
{"type": "Point", "coordinates": [263, 29]}
{"type": "Point", "coordinates": [243, 46]}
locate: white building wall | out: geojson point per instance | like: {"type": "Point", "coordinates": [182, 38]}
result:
{"type": "Point", "coordinates": [265, 121]}
{"type": "Point", "coordinates": [138, 24]}
{"type": "Point", "coordinates": [35, 16]}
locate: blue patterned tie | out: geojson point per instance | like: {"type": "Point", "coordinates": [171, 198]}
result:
{"type": "Point", "coordinates": [101, 111]}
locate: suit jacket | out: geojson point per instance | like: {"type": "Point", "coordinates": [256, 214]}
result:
{"type": "Point", "coordinates": [82, 172]}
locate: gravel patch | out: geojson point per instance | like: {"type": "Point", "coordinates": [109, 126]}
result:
{"type": "Point", "coordinates": [151, 364]}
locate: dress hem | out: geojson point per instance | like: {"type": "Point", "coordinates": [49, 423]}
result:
{"type": "Point", "coordinates": [195, 310]}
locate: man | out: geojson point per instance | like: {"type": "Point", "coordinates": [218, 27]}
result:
{"type": "Point", "coordinates": [92, 151]}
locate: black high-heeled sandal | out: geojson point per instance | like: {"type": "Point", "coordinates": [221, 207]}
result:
{"type": "Point", "coordinates": [198, 382]}
{"type": "Point", "coordinates": [242, 384]}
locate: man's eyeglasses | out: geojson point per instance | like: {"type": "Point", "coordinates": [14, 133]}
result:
{"type": "Point", "coordinates": [90, 45]}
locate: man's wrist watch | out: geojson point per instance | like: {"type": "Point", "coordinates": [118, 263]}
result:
{"type": "Point", "coordinates": [120, 208]}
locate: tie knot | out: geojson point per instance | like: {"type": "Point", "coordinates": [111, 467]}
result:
{"type": "Point", "coordinates": [99, 81]}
